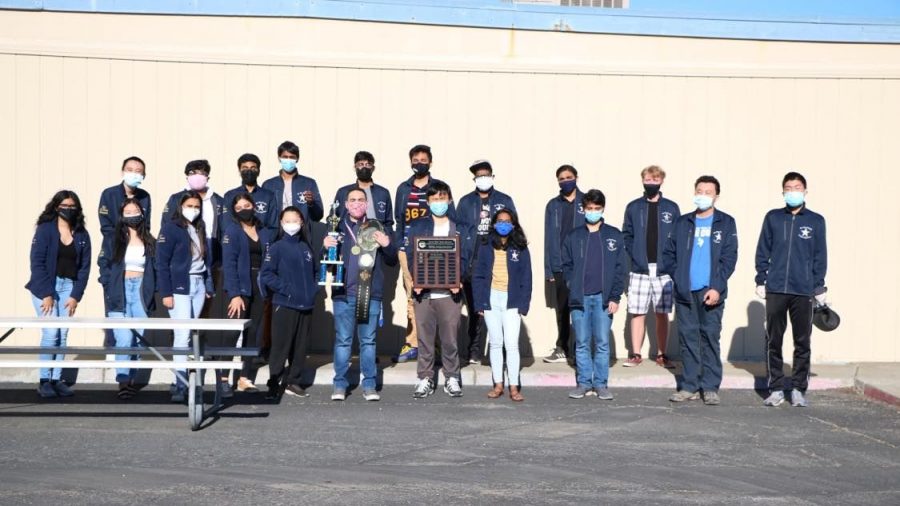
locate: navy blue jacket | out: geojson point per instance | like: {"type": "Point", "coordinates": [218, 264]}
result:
{"type": "Point", "coordinates": [401, 199]}
{"type": "Point", "coordinates": [236, 259]}
{"type": "Point", "coordinates": [634, 228]}
{"type": "Point", "coordinates": [553, 261]}
{"type": "Point", "coordinates": [791, 254]}
{"type": "Point", "coordinates": [384, 211]}
{"type": "Point", "coordinates": [112, 278]}
{"type": "Point", "coordinates": [425, 228]}
{"type": "Point", "coordinates": [299, 185]}
{"type": "Point", "coordinates": [518, 269]}
{"type": "Point", "coordinates": [469, 209]}
{"type": "Point", "coordinates": [45, 249]}
{"type": "Point", "coordinates": [289, 274]}
{"type": "Point", "coordinates": [173, 261]}
{"type": "Point", "coordinates": [265, 201]}
{"type": "Point", "coordinates": [676, 258]}
{"type": "Point", "coordinates": [108, 211]}
{"type": "Point", "coordinates": [213, 242]}
{"type": "Point", "coordinates": [612, 263]}
{"type": "Point", "coordinates": [385, 256]}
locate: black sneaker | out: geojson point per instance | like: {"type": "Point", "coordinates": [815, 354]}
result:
{"type": "Point", "coordinates": [272, 390]}
{"type": "Point", "coordinates": [557, 357]}
{"type": "Point", "coordinates": [296, 390]}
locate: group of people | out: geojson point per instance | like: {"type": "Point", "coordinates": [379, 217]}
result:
{"type": "Point", "coordinates": [255, 242]}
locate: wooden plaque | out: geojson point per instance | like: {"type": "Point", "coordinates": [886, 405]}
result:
{"type": "Point", "coordinates": [436, 262]}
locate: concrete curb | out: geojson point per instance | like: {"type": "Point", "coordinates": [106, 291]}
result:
{"type": "Point", "coordinates": [888, 388]}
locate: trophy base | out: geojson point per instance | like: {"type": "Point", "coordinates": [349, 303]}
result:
{"type": "Point", "coordinates": [331, 262]}
{"type": "Point", "coordinates": [324, 283]}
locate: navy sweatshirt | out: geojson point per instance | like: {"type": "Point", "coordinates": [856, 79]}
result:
{"type": "Point", "coordinates": [266, 206]}
{"type": "Point", "coordinates": [634, 229]}
{"type": "Point", "coordinates": [108, 211]}
{"type": "Point", "coordinates": [173, 261]}
{"type": "Point", "coordinates": [289, 274]}
{"type": "Point", "coordinates": [236, 268]}
{"type": "Point", "coordinates": [518, 269]}
{"type": "Point", "coordinates": [469, 209]}
{"type": "Point", "coordinates": [381, 200]}
{"type": "Point", "coordinates": [213, 242]}
{"type": "Point", "coordinates": [676, 257]}
{"type": "Point", "coordinates": [45, 249]}
{"type": "Point", "coordinates": [386, 256]}
{"type": "Point", "coordinates": [553, 213]}
{"type": "Point", "coordinates": [299, 185]}
{"type": "Point", "coordinates": [611, 264]}
{"type": "Point", "coordinates": [791, 254]}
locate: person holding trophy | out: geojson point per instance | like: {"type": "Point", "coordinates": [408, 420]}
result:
{"type": "Point", "coordinates": [364, 248]}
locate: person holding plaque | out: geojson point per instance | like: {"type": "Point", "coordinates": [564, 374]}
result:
{"type": "Point", "coordinates": [365, 247]}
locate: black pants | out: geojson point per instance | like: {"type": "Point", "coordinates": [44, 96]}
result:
{"type": "Point", "coordinates": [562, 314]}
{"type": "Point", "coordinates": [800, 309]}
{"type": "Point", "coordinates": [475, 324]}
{"type": "Point", "coordinates": [290, 337]}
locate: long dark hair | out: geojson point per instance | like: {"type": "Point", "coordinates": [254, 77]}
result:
{"type": "Point", "coordinates": [303, 234]}
{"type": "Point", "coordinates": [121, 236]}
{"type": "Point", "coordinates": [199, 225]}
{"type": "Point", "coordinates": [516, 238]}
{"type": "Point", "coordinates": [51, 214]}
{"type": "Point", "coordinates": [249, 198]}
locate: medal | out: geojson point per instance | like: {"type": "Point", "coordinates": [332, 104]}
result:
{"type": "Point", "coordinates": [355, 250]}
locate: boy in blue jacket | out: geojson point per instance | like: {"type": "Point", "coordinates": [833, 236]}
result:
{"type": "Point", "coordinates": [264, 201]}
{"type": "Point", "coordinates": [593, 263]}
{"type": "Point", "coordinates": [378, 198]}
{"type": "Point", "coordinates": [700, 256]}
{"type": "Point", "coordinates": [791, 260]}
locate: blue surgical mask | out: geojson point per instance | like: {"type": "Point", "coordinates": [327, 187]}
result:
{"type": "Point", "coordinates": [593, 216]}
{"type": "Point", "coordinates": [288, 164]}
{"type": "Point", "coordinates": [439, 208]}
{"type": "Point", "coordinates": [132, 179]}
{"type": "Point", "coordinates": [794, 199]}
{"type": "Point", "coordinates": [566, 187]}
{"type": "Point", "coordinates": [703, 202]}
{"type": "Point", "coordinates": [504, 228]}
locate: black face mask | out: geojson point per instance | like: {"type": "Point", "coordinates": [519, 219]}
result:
{"type": "Point", "coordinates": [68, 214]}
{"type": "Point", "coordinates": [248, 177]}
{"type": "Point", "coordinates": [364, 174]}
{"type": "Point", "coordinates": [133, 221]}
{"type": "Point", "coordinates": [421, 169]}
{"type": "Point", "coordinates": [651, 190]}
{"type": "Point", "coordinates": [245, 214]}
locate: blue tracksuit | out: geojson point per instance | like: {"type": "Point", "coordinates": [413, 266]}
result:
{"type": "Point", "coordinates": [552, 225]}
{"type": "Point", "coordinates": [112, 278]}
{"type": "Point", "coordinates": [518, 268]}
{"type": "Point", "coordinates": [173, 261]}
{"type": "Point", "coordinates": [401, 199]}
{"type": "Point", "coordinates": [45, 249]}
{"type": "Point", "coordinates": [385, 256]}
{"type": "Point", "coordinates": [213, 242]}
{"type": "Point", "coordinates": [265, 202]}
{"type": "Point", "coordinates": [381, 200]}
{"type": "Point", "coordinates": [425, 228]}
{"type": "Point", "coordinates": [791, 254]}
{"type": "Point", "coordinates": [289, 274]}
{"type": "Point", "coordinates": [236, 268]}
{"type": "Point", "coordinates": [611, 262]}
{"type": "Point", "coordinates": [634, 229]}
{"type": "Point", "coordinates": [676, 258]}
{"type": "Point", "coordinates": [299, 185]}
{"type": "Point", "coordinates": [108, 211]}
{"type": "Point", "coordinates": [469, 209]}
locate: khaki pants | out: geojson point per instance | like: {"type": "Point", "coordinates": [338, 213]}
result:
{"type": "Point", "coordinates": [411, 335]}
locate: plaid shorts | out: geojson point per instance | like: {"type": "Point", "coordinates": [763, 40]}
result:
{"type": "Point", "coordinates": [644, 290]}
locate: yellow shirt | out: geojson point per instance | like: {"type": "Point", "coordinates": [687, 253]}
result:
{"type": "Point", "coordinates": [499, 274]}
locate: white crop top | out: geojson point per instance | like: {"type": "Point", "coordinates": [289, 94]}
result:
{"type": "Point", "coordinates": [134, 258]}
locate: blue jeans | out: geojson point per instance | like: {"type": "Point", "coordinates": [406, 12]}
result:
{"type": "Point", "coordinates": [699, 330]}
{"type": "Point", "coordinates": [344, 326]}
{"type": "Point", "coordinates": [186, 307]}
{"type": "Point", "coordinates": [134, 308]}
{"type": "Point", "coordinates": [54, 337]}
{"type": "Point", "coordinates": [592, 321]}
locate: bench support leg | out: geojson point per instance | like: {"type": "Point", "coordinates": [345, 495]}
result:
{"type": "Point", "coordinates": [7, 334]}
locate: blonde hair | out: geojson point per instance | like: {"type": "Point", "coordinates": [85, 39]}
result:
{"type": "Point", "coordinates": [653, 170]}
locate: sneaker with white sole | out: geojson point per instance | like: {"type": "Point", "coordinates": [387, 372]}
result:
{"type": "Point", "coordinates": [371, 395]}
{"type": "Point", "coordinates": [557, 357]}
{"type": "Point", "coordinates": [798, 400]}
{"type": "Point", "coordinates": [681, 396]}
{"type": "Point", "coordinates": [338, 394]}
{"type": "Point", "coordinates": [774, 399]}
{"type": "Point", "coordinates": [423, 389]}
{"type": "Point", "coordinates": [452, 387]}
{"type": "Point", "coordinates": [603, 394]}
{"type": "Point", "coordinates": [579, 392]}
{"type": "Point", "coordinates": [711, 398]}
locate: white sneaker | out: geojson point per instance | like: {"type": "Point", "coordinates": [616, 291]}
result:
{"type": "Point", "coordinates": [338, 394]}
{"type": "Point", "coordinates": [452, 388]}
{"type": "Point", "coordinates": [423, 389]}
{"type": "Point", "coordinates": [774, 399]}
{"type": "Point", "coordinates": [371, 395]}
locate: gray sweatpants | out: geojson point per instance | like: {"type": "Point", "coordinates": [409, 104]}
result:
{"type": "Point", "coordinates": [433, 317]}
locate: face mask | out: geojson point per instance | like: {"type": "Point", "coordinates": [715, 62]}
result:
{"type": "Point", "coordinates": [421, 168]}
{"type": "Point", "coordinates": [794, 199]}
{"type": "Point", "coordinates": [438, 208]}
{"type": "Point", "coordinates": [132, 179]}
{"type": "Point", "coordinates": [190, 213]}
{"type": "Point", "coordinates": [245, 214]}
{"type": "Point", "coordinates": [291, 228]}
{"type": "Point", "coordinates": [566, 187]}
{"type": "Point", "coordinates": [503, 228]}
{"type": "Point", "coordinates": [593, 216]}
{"type": "Point", "coordinates": [248, 177]}
{"type": "Point", "coordinates": [197, 182]}
{"type": "Point", "coordinates": [484, 183]}
{"type": "Point", "coordinates": [651, 190]}
{"type": "Point", "coordinates": [703, 202]}
{"type": "Point", "coordinates": [288, 164]}
{"type": "Point", "coordinates": [133, 220]}
{"type": "Point", "coordinates": [364, 174]}
{"type": "Point", "coordinates": [357, 209]}
{"type": "Point", "coordinates": [68, 214]}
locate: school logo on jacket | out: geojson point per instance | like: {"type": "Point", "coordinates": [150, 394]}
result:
{"type": "Point", "coordinates": [308, 257]}
{"type": "Point", "coordinates": [805, 233]}
{"type": "Point", "coordinates": [103, 211]}
{"type": "Point", "coordinates": [717, 236]}
{"type": "Point", "coordinates": [262, 207]}
{"type": "Point", "coordinates": [580, 209]}
{"type": "Point", "coordinates": [226, 239]}
{"type": "Point", "coordinates": [498, 207]}
{"type": "Point", "coordinates": [666, 216]}
{"type": "Point", "coordinates": [161, 239]}
{"type": "Point", "coordinates": [514, 255]}
{"type": "Point", "coordinates": [611, 244]}
{"type": "Point", "coordinates": [382, 206]}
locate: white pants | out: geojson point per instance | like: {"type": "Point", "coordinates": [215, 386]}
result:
{"type": "Point", "coordinates": [503, 331]}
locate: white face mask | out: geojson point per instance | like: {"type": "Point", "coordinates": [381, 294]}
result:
{"type": "Point", "coordinates": [291, 228]}
{"type": "Point", "coordinates": [190, 213]}
{"type": "Point", "coordinates": [484, 183]}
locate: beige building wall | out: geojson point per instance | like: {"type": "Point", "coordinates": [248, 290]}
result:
{"type": "Point", "coordinates": [80, 92]}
